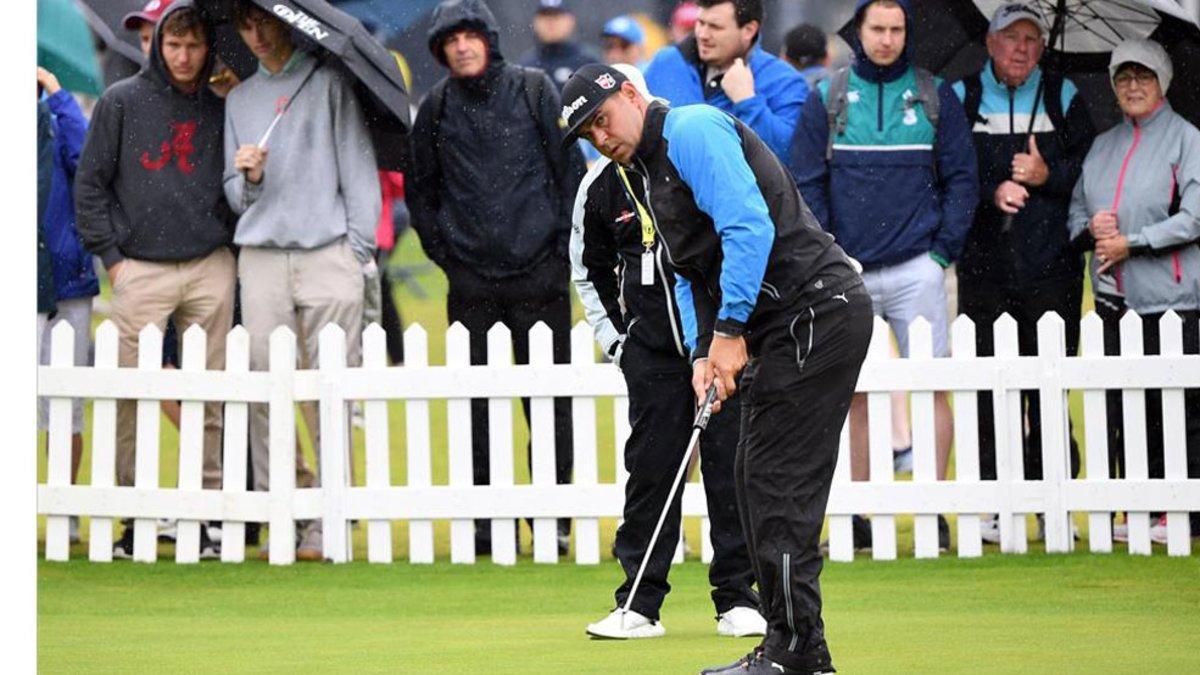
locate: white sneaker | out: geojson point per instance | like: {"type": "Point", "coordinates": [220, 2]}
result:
{"type": "Point", "coordinates": [622, 625]}
{"type": "Point", "coordinates": [741, 622]}
{"type": "Point", "coordinates": [167, 529]}
{"type": "Point", "coordinates": [1158, 531]}
{"type": "Point", "coordinates": [989, 529]}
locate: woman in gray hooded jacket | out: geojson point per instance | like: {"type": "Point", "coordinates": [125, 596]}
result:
{"type": "Point", "coordinates": [1137, 205]}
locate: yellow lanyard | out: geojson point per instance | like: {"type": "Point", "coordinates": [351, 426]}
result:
{"type": "Point", "coordinates": [643, 215]}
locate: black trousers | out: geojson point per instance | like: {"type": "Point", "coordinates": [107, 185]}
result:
{"type": "Point", "coordinates": [795, 396]}
{"type": "Point", "coordinates": [984, 302]}
{"type": "Point", "coordinates": [662, 407]}
{"type": "Point", "coordinates": [393, 327]}
{"type": "Point", "coordinates": [518, 302]}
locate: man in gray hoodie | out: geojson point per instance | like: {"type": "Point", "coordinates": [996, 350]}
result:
{"type": "Point", "coordinates": [308, 197]}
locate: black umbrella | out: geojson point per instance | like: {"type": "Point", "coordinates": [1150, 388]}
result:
{"type": "Point", "coordinates": [335, 36]}
{"type": "Point", "coordinates": [105, 17]}
{"type": "Point", "coordinates": [948, 39]}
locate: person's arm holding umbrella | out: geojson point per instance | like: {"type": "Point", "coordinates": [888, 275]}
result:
{"type": "Point", "coordinates": [358, 176]}
{"type": "Point", "coordinates": [72, 125]}
{"type": "Point", "coordinates": [244, 168]}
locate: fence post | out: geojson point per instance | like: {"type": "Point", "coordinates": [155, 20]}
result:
{"type": "Point", "coordinates": [282, 446]}
{"type": "Point", "coordinates": [925, 530]}
{"type": "Point", "coordinates": [1009, 434]}
{"type": "Point", "coordinates": [1056, 447]}
{"type": "Point", "coordinates": [500, 446]}
{"type": "Point", "coordinates": [233, 463]}
{"type": "Point", "coordinates": [1179, 543]}
{"type": "Point", "coordinates": [417, 446]}
{"type": "Point", "coordinates": [145, 530]}
{"type": "Point", "coordinates": [104, 440]}
{"type": "Point", "coordinates": [542, 443]}
{"type": "Point", "coordinates": [1095, 429]}
{"type": "Point", "coordinates": [841, 537]}
{"type": "Point", "coordinates": [879, 431]}
{"type": "Point", "coordinates": [335, 443]}
{"type": "Point", "coordinates": [459, 434]}
{"type": "Point", "coordinates": [375, 433]}
{"type": "Point", "coordinates": [1136, 460]}
{"type": "Point", "coordinates": [191, 445]}
{"type": "Point", "coordinates": [583, 414]}
{"type": "Point", "coordinates": [58, 442]}
{"type": "Point", "coordinates": [966, 438]}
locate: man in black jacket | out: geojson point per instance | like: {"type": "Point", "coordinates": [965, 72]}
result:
{"type": "Point", "coordinates": [149, 203]}
{"type": "Point", "coordinates": [759, 287]}
{"type": "Point", "coordinates": [627, 290]}
{"type": "Point", "coordinates": [491, 196]}
{"type": "Point", "coordinates": [556, 51]}
{"type": "Point", "coordinates": [1017, 258]}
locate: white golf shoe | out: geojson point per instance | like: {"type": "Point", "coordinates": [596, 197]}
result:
{"type": "Point", "coordinates": [741, 622]}
{"type": "Point", "coordinates": [622, 625]}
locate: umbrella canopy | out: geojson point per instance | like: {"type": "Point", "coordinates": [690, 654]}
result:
{"type": "Point", "coordinates": [382, 16]}
{"type": "Point", "coordinates": [105, 16]}
{"type": "Point", "coordinates": [65, 48]}
{"type": "Point", "coordinates": [335, 35]}
{"type": "Point", "coordinates": [948, 39]}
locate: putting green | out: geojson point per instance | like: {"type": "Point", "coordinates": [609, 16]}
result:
{"type": "Point", "coordinates": [1075, 613]}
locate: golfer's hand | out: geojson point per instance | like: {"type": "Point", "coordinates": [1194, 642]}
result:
{"type": "Point", "coordinates": [1010, 196]}
{"type": "Point", "coordinates": [726, 358]}
{"type": "Point", "coordinates": [251, 159]}
{"type": "Point", "coordinates": [1029, 167]}
{"type": "Point", "coordinates": [738, 82]}
{"type": "Point", "coordinates": [48, 81]}
{"type": "Point", "coordinates": [1103, 225]}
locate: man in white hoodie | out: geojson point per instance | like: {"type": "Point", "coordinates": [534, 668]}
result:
{"type": "Point", "coordinates": [308, 199]}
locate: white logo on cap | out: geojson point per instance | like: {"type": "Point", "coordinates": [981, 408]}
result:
{"type": "Point", "coordinates": [606, 81]}
{"type": "Point", "coordinates": [570, 109]}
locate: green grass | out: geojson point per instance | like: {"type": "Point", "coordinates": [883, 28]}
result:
{"type": "Point", "coordinates": [999, 614]}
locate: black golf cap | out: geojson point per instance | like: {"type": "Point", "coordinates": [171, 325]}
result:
{"type": "Point", "coordinates": [585, 92]}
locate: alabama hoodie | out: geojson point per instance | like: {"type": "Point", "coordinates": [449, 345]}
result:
{"type": "Point", "coordinates": [148, 185]}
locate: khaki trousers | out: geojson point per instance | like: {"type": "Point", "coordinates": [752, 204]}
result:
{"type": "Point", "coordinates": [303, 290]}
{"type": "Point", "coordinates": [198, 291]}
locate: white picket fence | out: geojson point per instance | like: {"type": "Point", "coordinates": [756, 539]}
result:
{"type": "Point", "coordinates": [421, 502]}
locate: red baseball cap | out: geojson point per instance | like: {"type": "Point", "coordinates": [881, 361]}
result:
{"type": "Point", "coordinates": [151, 13]}
{"type": "Point", "coordinates": [685, 15]}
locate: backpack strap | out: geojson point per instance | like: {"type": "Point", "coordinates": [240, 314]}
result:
{"type": "Point", "coordinates": [973, 98]}
{"type": "Point", "coordinates": [534, 83]}
{"type": "Point", "coordinates": [437, 103]}
{"type": "Point", "coordinates": [836, 111]}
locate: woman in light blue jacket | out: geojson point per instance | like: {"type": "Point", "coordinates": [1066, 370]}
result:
{"type": "Point", "coordinates": [1137, 206]}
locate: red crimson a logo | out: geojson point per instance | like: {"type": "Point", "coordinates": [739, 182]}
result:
{"type": "Point", "coordinates": [179, 148]}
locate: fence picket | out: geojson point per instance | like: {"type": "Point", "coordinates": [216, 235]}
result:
{"type": "Point", "coordinates": [583, 415]}
{"type": "Point", "coordinates": [281, 479]}
{"type": "Point", "coordinates": [104, 441]}
{"type": "Point", "coordinates": [925, 526]}
{"type": "Point", "coordinates": [1136, 460]}
{"type": "Point", "coordinates": [541, 435]}
{"type": "Point", "coordinates": [376, 437]}
{"type": "Point", "coordinates": [841, 538]}
{"type": "Point", "coordinates": [1056, 461]}
{"type": "Point", "coordinates": [145, 530]}
{"type": "Point", "coordinates": [191, 445]}
{"type": "Point", "coordinates": [500, 446]}
{"type": "Point", "coordinates": [879, 433]}
{"type": "Point", "coordinates": [459, 435]}
{"type": "Point", "coordinates": [1095, 429]}
{"type": "Point", "coordinates": [334, 444]}
{"type": "Point", "coordinates": [58, 442]}
{"type": "Point", "coordinates": [417, 446]}
{"type": "Point", "coordinates": [1009, 434]}
{"type": "Point", "coordinates": [1179, 541]}
{"type": "Point", "coordinates": [236, 426]}
{"type": "Point", "coordinates": [966, 438]}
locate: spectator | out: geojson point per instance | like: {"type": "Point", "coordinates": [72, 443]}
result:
{"type": "Point", "coordinates": [883, 143]}
{"type": "Point", "coordinates": [805, 48]}
{"type": "Point", "coordinates": [723, 66]}
{"type": "Point", "coordinates": [45, 178]}
{"type": "Point", "coordinates": [143, 21]}
{"type": "Point", "coordinates": [302, 261]}
{"type": "Point", "coordinates": [153, 158]}
{"type": "Point", "coordinates": [606, 237]}
{"type": "Point", "coordinates": [683, 21]}
{"type": "Point", "coordinates": [556, 51]}
{"type": "Point", "coordinates": [623, 41]}
{"type": "Point", "coordinates": [393, 220]}
{"type": "Point", "coordinates": [491, 199]}
{"type": "Point", "coordinates": [1024, 266]}
{"type": "Point", "coordinates": [75, 282]}
{"type": "Point", "coordinates": [1137, 204]}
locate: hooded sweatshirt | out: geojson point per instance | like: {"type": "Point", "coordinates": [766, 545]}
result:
{"type": "Point", "coordinates": [1148, 172]}
{"type": "Point", "coordinates": [148, 185]}
{"type": "Point", "coordinates": [879, 195]}
{"type": "Point", "coordinates": [492, 189]}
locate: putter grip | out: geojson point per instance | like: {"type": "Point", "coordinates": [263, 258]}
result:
{"type": "Point", "coordinates": [705, 411]}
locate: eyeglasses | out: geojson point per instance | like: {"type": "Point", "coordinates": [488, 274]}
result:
{"type": "Point", "coordinates": [1143, 77]}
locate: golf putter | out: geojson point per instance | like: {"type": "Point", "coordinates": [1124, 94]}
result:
{"type": "Point", "coordinates": [702, 416]}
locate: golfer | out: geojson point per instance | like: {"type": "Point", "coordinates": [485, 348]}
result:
{"type": "Point", "coordinates": [761, 288]}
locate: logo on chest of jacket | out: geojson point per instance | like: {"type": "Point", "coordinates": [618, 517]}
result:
{"type": "Point", "coordinates": [179, 148]}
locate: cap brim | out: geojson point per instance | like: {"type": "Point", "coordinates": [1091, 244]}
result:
{"type": "Point", "coordinates": [133, 20]}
